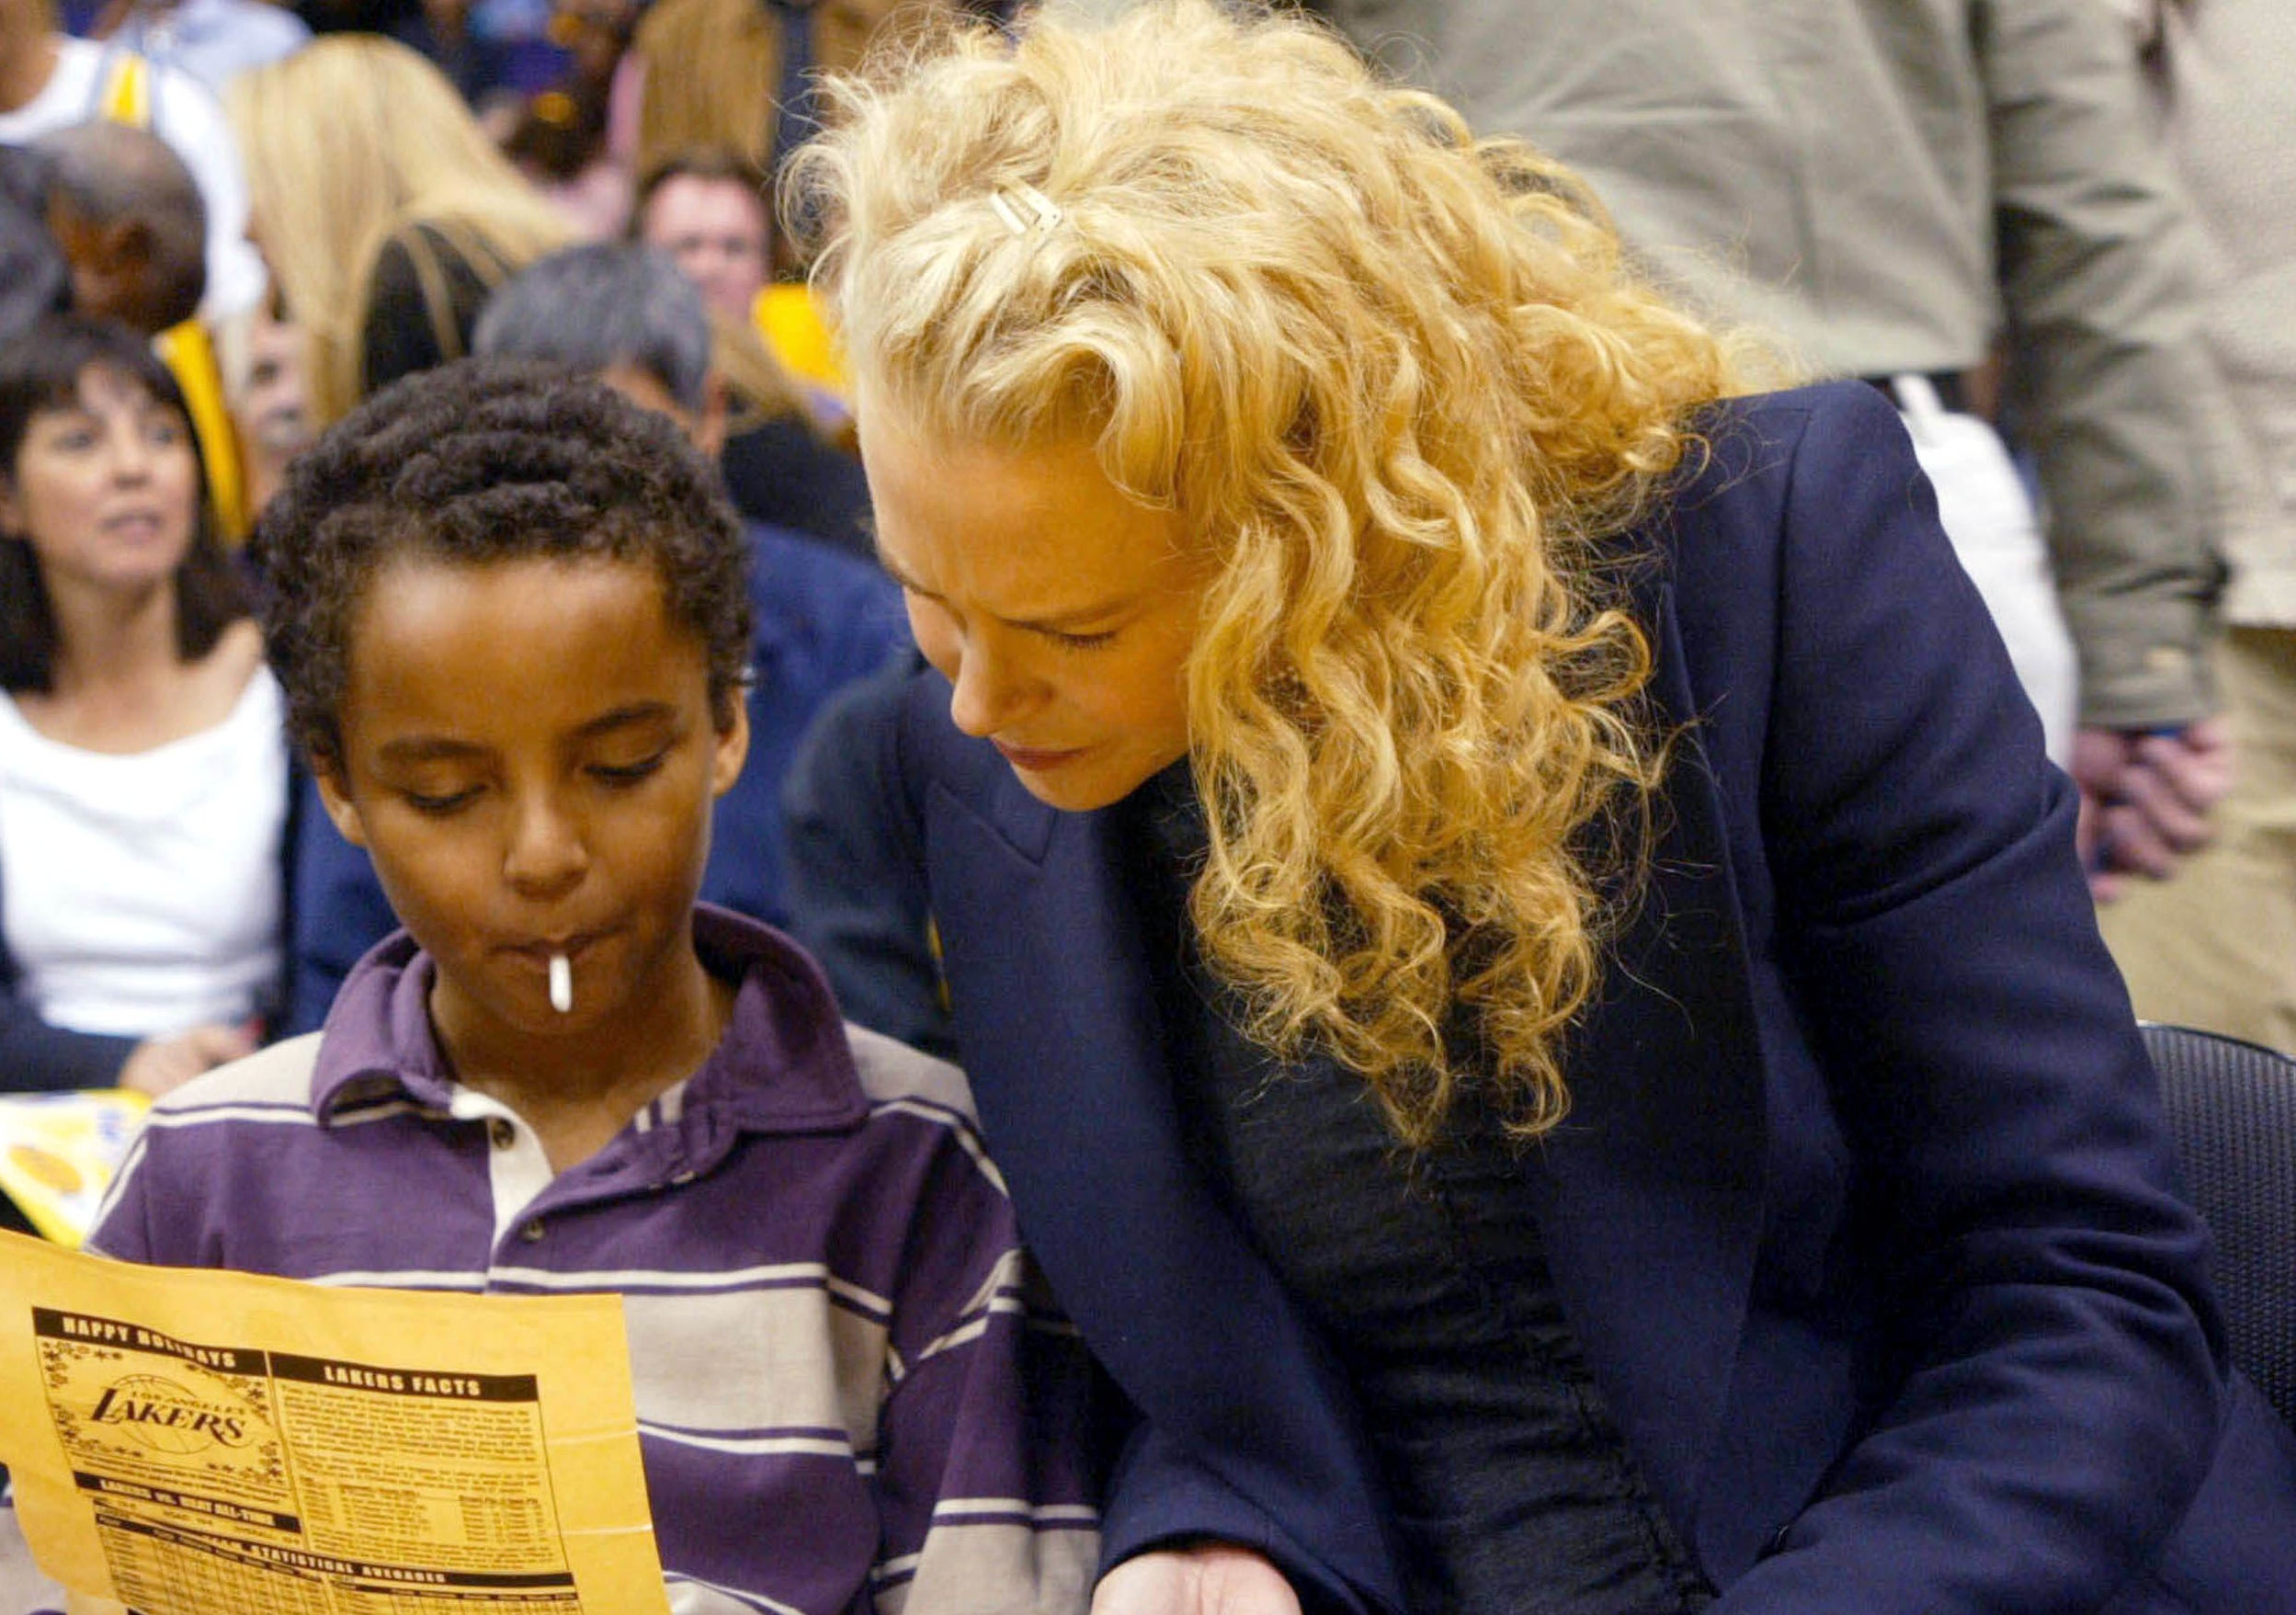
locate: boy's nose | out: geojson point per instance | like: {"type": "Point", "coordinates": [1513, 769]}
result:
{"type": "Point", "coordinates": [546, 855]}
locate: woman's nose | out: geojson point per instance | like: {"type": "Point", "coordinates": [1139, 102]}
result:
{"type": "Point", "coordinates": [131, 456]}
{"type": "Point", "coordinates": [988, 694]}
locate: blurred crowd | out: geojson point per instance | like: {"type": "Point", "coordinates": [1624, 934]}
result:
{"type": "Point", "coordinates": [2059, 235]}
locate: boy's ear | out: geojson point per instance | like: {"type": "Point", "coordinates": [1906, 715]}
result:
{"type": "Point", "coordinates": [327, 774]}
{"type": "Point", "coordinates": [725, 766]}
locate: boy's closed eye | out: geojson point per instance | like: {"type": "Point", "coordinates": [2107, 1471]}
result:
{"type": "Point", "coordinates": [439, 799]}
{"type": "Point", "coordinates": [630, 773]}
{"type": "Point", "coordinates": [438, 804]}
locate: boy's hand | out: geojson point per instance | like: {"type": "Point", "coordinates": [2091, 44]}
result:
{"type": "Point", "coordinates": [1213, 1578]}
{"type": "Point", "coordinates": [159, 1064]}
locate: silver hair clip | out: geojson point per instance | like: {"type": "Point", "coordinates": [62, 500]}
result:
{"type": "Point", "coordinates": [1008, 201]}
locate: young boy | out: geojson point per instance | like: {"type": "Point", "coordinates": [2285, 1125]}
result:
{"type": "Point", "coordinates": [508, 612]}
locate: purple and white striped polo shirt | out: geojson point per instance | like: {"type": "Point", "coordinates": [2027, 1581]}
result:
{"type": "Point", "coordinates": [845, 1399]}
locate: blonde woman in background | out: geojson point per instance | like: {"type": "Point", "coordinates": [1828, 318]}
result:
{"type": "Point", "coordinates": [1507, 919]}
{"type": "Point", "coordinates": [385, 211]}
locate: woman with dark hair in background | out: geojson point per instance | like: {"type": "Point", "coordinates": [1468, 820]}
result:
{"type": "Point", "coordinates": [144, 770]}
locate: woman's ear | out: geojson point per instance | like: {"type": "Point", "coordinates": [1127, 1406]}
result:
{"type": "Point", "coordinates": [335, 797]}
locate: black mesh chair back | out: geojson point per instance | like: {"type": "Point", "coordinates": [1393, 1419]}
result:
{"type": "Point", "coordinates": [2231, 1107]}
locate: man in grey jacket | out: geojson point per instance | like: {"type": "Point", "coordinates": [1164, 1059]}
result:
{"type": "Point", "coordinates": [2217, 946]}
{"type": "Point", "coordinates": [1894, 185]}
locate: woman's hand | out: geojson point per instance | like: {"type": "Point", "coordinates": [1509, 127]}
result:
{"type": "Point", "coordinates": [159, 1064]}
{"type": "Point", "coordinates": [1213, 1578]}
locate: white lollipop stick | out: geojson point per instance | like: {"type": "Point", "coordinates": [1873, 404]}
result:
{"type": "Point", "coordinates": [560, 984]}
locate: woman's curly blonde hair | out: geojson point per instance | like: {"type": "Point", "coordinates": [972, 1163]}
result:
{"type": "Point", "coordinates": [1403, 388]}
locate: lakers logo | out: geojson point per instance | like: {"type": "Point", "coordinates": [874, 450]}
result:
{"type": "Point", "coordinates": [166, 1417]}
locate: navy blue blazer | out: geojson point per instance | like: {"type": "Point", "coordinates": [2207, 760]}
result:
{"type": "Point", "coordinates": [1863, 1212]}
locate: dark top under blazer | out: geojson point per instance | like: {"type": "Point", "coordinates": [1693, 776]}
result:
{"type": "Point", "coordinates": [1863, 1213]}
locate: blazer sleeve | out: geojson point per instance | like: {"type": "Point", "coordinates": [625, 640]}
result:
{"type": "Point", "coordinates": [1161, 1496]}
{"type": "Point", "coordinates": [2055, 1381]}
{"type": "Point", "coordinates": [857, 898]}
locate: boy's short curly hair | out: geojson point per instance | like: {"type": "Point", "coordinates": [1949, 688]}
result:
{"type": "Point", "coordinates": [486, 461]}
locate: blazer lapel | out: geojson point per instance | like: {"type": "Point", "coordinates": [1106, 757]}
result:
{"type": "Point", "coordinates": [1650, 1192]}
{"type": "Point", "coordinates": [1076, 1098]}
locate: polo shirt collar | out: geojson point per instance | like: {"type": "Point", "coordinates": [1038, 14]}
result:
{"type": "Point", "coordinates": [784, 1064]}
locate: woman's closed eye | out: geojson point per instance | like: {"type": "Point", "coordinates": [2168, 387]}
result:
{"type": "Point", "coordinates": [1080, 642]}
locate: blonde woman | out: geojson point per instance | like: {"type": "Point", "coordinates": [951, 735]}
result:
{"type": "Point", "coordinates": [1507, 919]}
{"type": "Point", "coordinates": [385, 211]}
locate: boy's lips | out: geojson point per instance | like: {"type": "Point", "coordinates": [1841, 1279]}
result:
{"type": "Point", "coordinates": [573, 946]}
